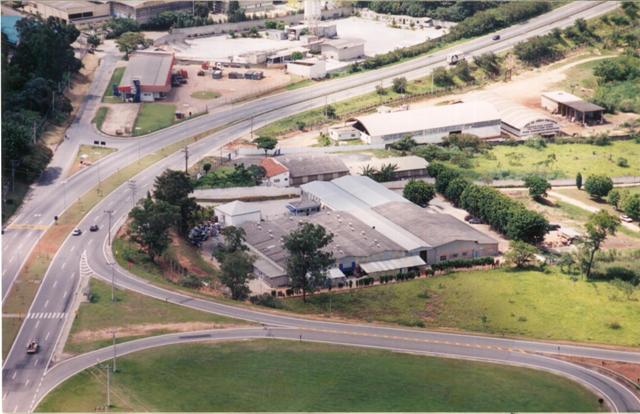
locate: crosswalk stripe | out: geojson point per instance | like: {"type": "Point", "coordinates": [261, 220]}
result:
{"type": "Point", "coordinates": [46, 315]}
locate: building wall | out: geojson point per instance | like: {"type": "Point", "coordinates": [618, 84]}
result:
{"type": "Point", "coordinates": [461, 249]}
{"type": "Point", "coordinates": [344, 134]}
{"type": "Point", "coordinates": [85, 11]}
{"type": "Point", "coordinates": [280, 180]}
{"type": "Point", "coordinates": [491, 130]}
{"type": "Point", "coordinates": [549, 104]}
{"type": "Point", "coordinates": [317, 71]}
{"type": "Point", "coordinates": [145, 13]}
{"type": "Point", "coordinates": [299, 180]}
{"type": "Point", "coordinates": [229, 220]}
{"type": "Point", "coordinates": [343, 54]}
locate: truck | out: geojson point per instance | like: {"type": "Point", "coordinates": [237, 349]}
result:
{"type": "Point", "coordinates": [455, 57]}
{"type": "Point", "coordinates": [33, 347]}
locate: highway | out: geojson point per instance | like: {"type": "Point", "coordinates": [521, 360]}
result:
{"type": "Point", "coordinates": [23, 376]}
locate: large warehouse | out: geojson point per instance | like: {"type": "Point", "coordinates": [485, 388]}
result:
{"type": "Point", "coordinates": [147, 76]}
{"type": "Point", "coordinates": [376, 232]}
{"type": "Point", "coordinates": [306, 168]}
{"type": "Point", "coordinates": [70, 11]}
{"type": "Point", "coordinates": [431, 124]}
{"type": "Point", "coordinates": [145, 10]}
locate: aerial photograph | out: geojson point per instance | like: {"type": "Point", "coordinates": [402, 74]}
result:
{"type": "Point", "coordinates": [320, 206]}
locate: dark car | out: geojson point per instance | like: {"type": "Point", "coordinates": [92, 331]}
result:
{"type": "Point", "coordinates": [94, 227]}
{"type": "Point", "coordinates": [33, 347]}
{"type": "Point", "coordinates": [473, 220]}
{"type": "Point", "coordinates": [495, 37]}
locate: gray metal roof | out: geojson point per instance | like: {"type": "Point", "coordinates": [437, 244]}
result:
{"type": "Point", "coordinates": [392, 264]}
{"type": "Point", "coordinates": [367, 190]}
{"type": "Point", "coordinates": [237, 208]}
{"type": "Point", "coordinates": [306, 165]}
{"type": "Point", "coordinates": [511, 113]}
{"type": "Point", "coordinates": [151, 68]}
{"type": "Point", "coordinates": [434, 228]}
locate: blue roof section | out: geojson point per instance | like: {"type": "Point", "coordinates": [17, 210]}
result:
{"type": "Point", "coordinates": [8, 25]}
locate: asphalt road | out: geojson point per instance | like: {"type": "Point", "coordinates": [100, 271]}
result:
{"type": "Point", "coordinates": [23, 375]}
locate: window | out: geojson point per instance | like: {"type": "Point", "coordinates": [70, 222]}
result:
{"type": "Point", "coordinates": [455, 255]}
{"type": "Point", "coordinates": [443, 258]}
{"type": "Point", "coordinates": [464, 253]}
{"type": "Point", "coordinates": [277, 180]}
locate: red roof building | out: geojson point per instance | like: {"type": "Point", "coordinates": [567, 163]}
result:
{"type": "Point", "coordinates": [152, 70]}
{"type": "Point", "coordinates": [276, 174]}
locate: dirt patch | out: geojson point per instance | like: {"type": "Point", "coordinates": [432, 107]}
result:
{"type": "Point", "coordinates": [120, 118]}
{"type": "Point", "coordinates": [144, 329]}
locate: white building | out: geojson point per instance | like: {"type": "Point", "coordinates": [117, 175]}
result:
{"type": "Point", "coordinates": [276, 174]}
{"type": "Point", "coordinates": [396, 20]}
{"type": "Point", "coordinates": [343, 133]}
{"type": "Point", "coordinates": [410, 166]}
{"type": "Point", "coordinates": [343, 49]}
{"type": "Point", "coordinates": [430, 124]}
{"type": "Point", "coordinates": [237, 212]}
{"type": "Point", "coordinates": [308, 68]}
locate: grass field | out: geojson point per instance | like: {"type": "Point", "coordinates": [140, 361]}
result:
{"type": "Point", "coordinates": [518, 161]}
{"type": "Point", "coordinates": [580, 80]}
{"type": "Point", "coordinates": [271, 375]}
{"type": "Point", "coordinates": [116, 77]}
{"type": "Point", "coordinates": [101, 114]}
{"type": "Point", "coordinates": [529, 303]}
{"type": "Point", "coordinates": [154, 116]}
{"type": "Point", "coordinates": [132, 315]}
{"type": "Point", "coordinates": [93, 153]}
{"type": "Point", "coordinates": [206, 95]}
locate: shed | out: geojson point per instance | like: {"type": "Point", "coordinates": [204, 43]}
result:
{"type": "Point", "coordinates": [572, 107]}
{"type": "Point", "coordinates": [236, 213]}
{"type": "Point", "coordinates": [343, 49]}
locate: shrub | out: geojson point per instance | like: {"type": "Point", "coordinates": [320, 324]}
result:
{"type": "Point", "coordinates": [598, 186]}
{"type": "Point", "coordinates": [265, 300]}
{"type": "Point", "coordinates": [622, 162]}
{"type": "Point", "coordinates": [631, 206]}
{"type": "Point", "coordinates": [463, 263]}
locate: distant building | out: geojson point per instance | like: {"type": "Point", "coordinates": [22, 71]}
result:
{"type": "Point", "coordinates": [407, 167]}
{"type": "Point", "coordinates": [430, 124]}
{"type": "Point", "coordinates": [572, 107]}
{"type": "Point", "coordinates": [70, 11]}
{"type": "Point", "coordinates": [276, 174]}
{"type": "Point", "coordinates": [147, 76]}
{"type": "Point", "coordinates": [396, 20]}
{"type": "Point", "coordinates": [237, 213]}
{"type": "Point", "coordinates": [308, 68]}
{"type": "Point", "coordinates": [307, 168]}
{"type": "Point", "coordinates": [343, 133]}
{"type": "Point", "coordinates": [145, 10]}
{"type": "Point", "coordinates": [343, 49]}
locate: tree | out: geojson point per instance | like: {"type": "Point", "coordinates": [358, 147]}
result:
{"type": "Point", "coordinates": [579, 181]}
{"type": "Point", "coordinates": [419, 192]}
{"type": "Point", "coordinates": [538, 50]}
{"type": "Point", "coordinates": [454, 190]}
{"type": "Point", "coordinates": [94, 40]}
{"type": "Point", "coordinates": [525, 225]}
{"type": "Point", "coordinates": [130, 41]}
{"type": "Point", "coordinates": [537, 185]}
{"type": "Point", "coordinates": [613, 198]}
{"type": "Point", "coordinates": [308, 262]}
{"type": "Point", "coordinates": [405, 144]}
{"type": "Point", "coordinates": [119, 25]}
{"type": "Point", "coordinates": [399, 85]}
{"type": "Point", "coordinates": [235, 13]}
{"type": "Point", "coordinates": [387, 172]}
{"type": "Point", "coordinates": [489, 63]}
{"type": "Point", "coordinates": [442, 77]}
{"type": "Point", "coordinates": [520, 254]}
{"type": "Point", "coordinates": [150, 223]}
{"type": "Point", "coordinates": [206, 167]}
{"type": "Point", "coordinates": [598, 186]}
{"type": "Point", "coordinates": [296, 55]}
{"type": "Point", "coordinates": [463, 71]}
{"type": "Point", "coordinates": [174, 187]}
{"type": "Point", "coordinates": [236, 271]}
{"type": "Point", "coordinates": [599, 226]}
{"type": "Point", "coordinates": [330, 111]}
{"type": "Point", "coordinates": [234, 238]}
{"type": "Point", "coordinates": [631, 206]}
{"type": "Point", "coordinates": [265, 143]}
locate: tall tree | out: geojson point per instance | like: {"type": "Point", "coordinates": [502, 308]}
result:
{"type": "Point", "coordinates": [174, 188]}
{"type": "Point", "coordinates": [598, 186]}
{"type": "Point", "coordinates": [538, 186]}
{"type": "Point", "coordinates": [236, 272]}
{"type": "Point", "coordinates": [150, 223]}
{"type": "Point", "coordinates": [599, 226]}
{"type": "Point", "coordinates": [130, 41]}
{"type": "Point", "coordinates": [419, 192]}
{"type": "Point", "coordinates": [520, 254]}
{"type": "Point", "coordinates": [234, 238]}
{"type": "Point", "coordinates": [265, 143]}
{"type": "Point", "coordinates": [307, 263]}
{"type": "Point", "coordinates": [579, 181]}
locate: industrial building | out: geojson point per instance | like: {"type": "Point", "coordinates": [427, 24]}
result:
{"type": "Point", "coordinates": [308, 68]}
{"type": "Point", "coordinates": [147, 76]}
{"type": "Point", "coordinates": [407, 167]}
{"type": "Point", "coordinates": [236, 213]}
{"type": "Point", "coordinates": [145, 10]}
{"type": "Point", "coordinates": [343, 49]}
{"type": "Point", "coordinates": [70, 11]}
{"type": "Point", "coordinates": [376, 232]}
{"type": "Point", "coordinates": [276, 174]}
{"type": "Point", "coordinates": [431, 124]}
{"type": "Point", "coordinates": [343, 133]}
{"type": "Point", "coordinates": [572, 107]}
{"type": "Point", "coordinates": [397, 20]}
{"type": "Point", "coordinates": [307, 168]}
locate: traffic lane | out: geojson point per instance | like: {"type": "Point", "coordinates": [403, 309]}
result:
{"type": "Point", "coordinates": [17, 244]}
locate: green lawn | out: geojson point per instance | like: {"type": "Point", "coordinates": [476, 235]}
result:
{"type": "Point", "coordinates": [101, 114]}
{"type": "Point", "coordinates": [269, 375]}
{"type": "Point", "coordinates": [93, 153]}
{"type": "Point", "coordinates": [116, 77]}
{"type": "Point", "coordinates": [518, 161]}
{"type": "Point", "coordinates": [134, 315]}
{"type": "Point", "coordinates": [529, 303]}
{"type": "Point", "coordinates": [154, 116]}
{"type": "Point", "coordinates": [205, 95]}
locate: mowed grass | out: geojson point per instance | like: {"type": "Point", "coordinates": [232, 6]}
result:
{"type": "Point", "coordinates": [205, 95]}
{"type": "Point", "coordinates": [270, 375]}
{"type": "Point", "coordinates": [93, 153]}
{"type": "Point", "coordinates": [154, 116]}
{"type": "Point", "coordinates": [100, 116]}
{"type": "Point", "coordinates": [116, 77]}
{"type": "Point", "coordinates": [132, 315]}
{"type": "Point", "coordinates": [528, 304]}
{"type": "Point", "coordinates": [519, 161]}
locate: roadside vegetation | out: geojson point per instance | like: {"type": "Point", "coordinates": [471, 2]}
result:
{"type": "Point", "coordinates": [116, 77]}
{"type": "Point", "coordinates": [132, 316]}
{"type": "Point", "coordinates": [100, 116]}
{"type": "Point", "coordinates": [270, 375]}
{"type": "Point", "coordinates": [153, 117]}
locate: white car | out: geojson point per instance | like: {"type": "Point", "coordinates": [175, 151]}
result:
{"type": "Point", "coordinates": [77, 232]}
{"type": "Point", "coordinates": [626, 219]}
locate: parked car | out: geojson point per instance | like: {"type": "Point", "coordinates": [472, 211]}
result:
{"type": "Point", "coordinates": [33, 347]}
{"type": "Point", "coordinates": [495, 37]}
{"type": "Point", "coordinates": [77, 232]}
{"type": "Point", "coordinates": [626, 219]}
{"type": "Point", "coordinates": [473, 220]}
{"type": "Point", "coordinates": [94, 227]}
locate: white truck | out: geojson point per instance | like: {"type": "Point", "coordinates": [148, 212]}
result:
{"type": "Point", "coordinates": [455, 57]}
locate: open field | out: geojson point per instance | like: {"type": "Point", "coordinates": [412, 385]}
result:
{"type": "Point", "coordinates": [132, 315]}
{"type": "Point", "coordinates": [89, 154]}
{"type": "Point", "coordinates": [557, 160]}
{"type": "Point", "coordinates": [154, 116]}
{"type": "Point", "coordinates": [269, 375]}
{"type": "Point", "coordinates": [206, 95]}
{"type": "Point", "coordinates": [116, 77]}
{"type": "Point", "coordinates": [529, 303]}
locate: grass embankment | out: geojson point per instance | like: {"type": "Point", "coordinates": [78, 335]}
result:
{"type": "Point", "coordinates": [269, 375]}
{"type": "Point", "coordinates": [529, 303]}
{"type": "Point", "coordinates": [132, 316]}
{"type": "Point", "coordinates": [92, 153]}
{"type": "Point", "coordinates": [24, 289]}
{"type": "Point", "coordinates": [556, 161]}
{"type": "Point", "coordinates": [100, 116]}
{"type": "Point", "coordinates": [116, 77]}
{"type": "Point", "coordinates": [154, 116]}
{"type": "Point", "coordinates": [14, 199]}
{"type": "Point", "coordinates": [205, 95]}
{"type": "Point", "coordinates": [580, 80]}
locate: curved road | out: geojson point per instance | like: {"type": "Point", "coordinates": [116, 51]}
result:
{"type": "Point", "coordinates": [23, 376]}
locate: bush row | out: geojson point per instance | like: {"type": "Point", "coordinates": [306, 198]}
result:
{"type": "Point", "coordinates": [463, 263]}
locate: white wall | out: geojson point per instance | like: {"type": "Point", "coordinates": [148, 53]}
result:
{"type": "Point", "coordinates": [229, 220]}
{"type": "Point", "coordinates": [421, 137]}
{"type": "Point", "coordinates": [280, 180]}
{"type": "Point", "coordinates": [341, 54]}
{"type": "Point", "coordinates": [317, 71]}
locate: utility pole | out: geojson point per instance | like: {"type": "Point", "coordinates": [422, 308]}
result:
{"type": "Point", "coordinates": [34, 132]}
{"type": "Point", "coordinates": [186, 159]}
{"type": "Point", "coordinates": [64, 190]}
{"type": "Point", "coordinates": [113, 282]}
{"type": "Point", "coordinates": [251, 129]}
{"type": "Point", "coordinates": [110, 213]}
{"type": "Point", "coordinates": [114, 350]}
{"type": "Point", "coordinates": [108, 387]}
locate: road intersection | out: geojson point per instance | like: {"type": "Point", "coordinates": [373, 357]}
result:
{"type": "Point", "coordinates": [24, 377]}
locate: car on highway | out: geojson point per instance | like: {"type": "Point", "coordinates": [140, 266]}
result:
{"type": "Point", "coordinates": [94, 227]}
{"type": "Point", "coordinates": [495, 37]}
{"type": "Point", "coordinates": [33, 347]}
{"type": "Point", "coordinates": [77, 232]}
{"type": "Point", "coordinates": [626, 219]}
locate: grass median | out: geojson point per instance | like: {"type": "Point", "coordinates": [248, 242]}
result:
{"type": "Point", "coordinates": [270, 375]}
{"type": "Point", "coordinates": [100, 116]}
{"type": "Point", "coordinates": [116, 77]}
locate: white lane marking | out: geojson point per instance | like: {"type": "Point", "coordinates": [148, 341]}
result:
{"type": "Point", "coordinates": [72, 249]}
{"type": "Point", "coordinates": [64, 295]}
{"type": "Point", "coordinates": [47, 336]}
{"type": "Point", "coordinates": [55, 282]}
{"type": "Point", "coordinates": [14, 375]}
{"type": "Point", "coordinates": [90, 241]}
{"type": "Point", "coordinates": [37, 324]}
{"type": "Point", "coordinates": [12, 259]}
{"type": "Point", "coordinates": [63, 266]}
{"type": "Point", "coordinates": [26, 383]}
{"type": "Point", "coordinates": [46, 303]}
{"type": "Point", "coordinates": [35, 363]}
{"type": "Point", "coordinates": [15, 409]}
